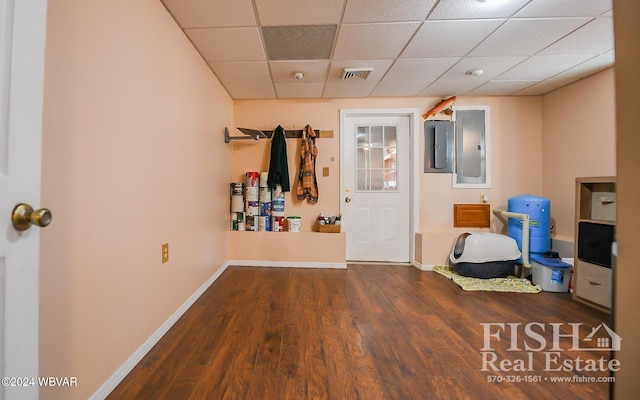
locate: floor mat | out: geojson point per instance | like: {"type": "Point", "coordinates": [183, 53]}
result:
{"type": "Point", "coordinates": [510, 284]}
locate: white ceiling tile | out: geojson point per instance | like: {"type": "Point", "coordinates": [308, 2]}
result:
{"type": "Point", "coordinates": [299, 90]}
{"type": "Point", "coordinates": [349, 88]}
{"type": "Point", "coordinates": [419, 70]}
{"type": "Point", "coordinates": [215, 44]}
{"type": "Point", "coordinates": [211, 13]}
{"type": "Point", "coordinates": [565, 8]}
{"type": "Point", "coordinates": [456, 81]}
{"type": "Point", "coordinates": [501, 88]}
{"type": "Point", "coordinates": [594, 38]}
{"type": "Point", "coordinates": [314, 71]}
{"type": "Point", "coordinates": [449, 38]}
{"type": "Point", "coordinates": [251, 90]}
{"type": "Point", "coordinates": [590, 67]}
{"type": "Point", "coordinates": [448, 88]}
{"type": "Point", "coordinates": [377, 41]}
{"type": "Point", "coordinates": [380, 68]}
{"type": "Point", "coordinates": [526, 36]}
{"type": "Point", "coordinates": [545, 87]}
{"type": "Point", "coordinates": [490, 66]}
{"type": "Point", "coordinates": [386, 10]}
{"type": "Point", "coordinates": [540, 67]}
{"type": "Point", "coordinates": [411, 75]}
{"type": "Point", "coordinates": [396, 89]}
{"type": "Point", "coordinates": [298, 12]}
{"type": "Point", "coordinates": [242, 72]}
{"type": "Point", "coordinates": [466, 9]}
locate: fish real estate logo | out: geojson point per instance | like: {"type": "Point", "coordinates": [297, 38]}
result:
{"type": "Point", "coordinates": [533, 337]}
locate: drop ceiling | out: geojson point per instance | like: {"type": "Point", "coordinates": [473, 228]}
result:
{"type": "Point", "coordinates": [415, 47]}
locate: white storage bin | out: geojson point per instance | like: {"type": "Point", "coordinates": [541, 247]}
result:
{"type": "Point", "coordinates": [551, 274]}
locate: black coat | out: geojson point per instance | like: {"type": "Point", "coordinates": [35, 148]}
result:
{"type": "Point", "coordinates": [278, 165]}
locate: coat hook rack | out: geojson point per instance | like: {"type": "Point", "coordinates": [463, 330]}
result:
{"type": "Point", "coordinates": [251, 134]}
{"type": "Point", "coordinates": [266, 134]}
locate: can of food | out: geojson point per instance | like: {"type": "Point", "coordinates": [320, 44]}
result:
{"type": "Point", "coordinates": [265, 194]}
{"type": "Point", "coordinates": [262, 224]}
{"type": "Point", "coordinates": [252, 179]}
{"type": "Point", "coordinates": [252, 223]}
{"type": "Point", "coordinates": [264, 177]}
{"type": "Point", "coordinates": [265, 209]}
{"type": "Point", "coordinates": [252, 208]}
{"type": "Point", "coordinates": [237, 203]}
{"type": "Point", "coordinates": [237, 188]}
{"type": "Point", "coordinates": [253, 193]}
{"type": "Point", "coordinates": [277, 224]}
{"type": "Point", "coordinates": [277, 207]}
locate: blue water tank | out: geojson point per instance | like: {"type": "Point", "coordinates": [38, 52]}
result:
{"type": "Point", "coordinates": [539, 211]}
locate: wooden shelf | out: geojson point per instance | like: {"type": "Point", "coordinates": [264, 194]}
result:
{"type": "Point", "coordinates": [593, 284]}
{"type": "Point", "coordinates": [597, 221]}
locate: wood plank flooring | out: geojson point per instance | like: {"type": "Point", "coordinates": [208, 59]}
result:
{"type": "Point", "coordinates": [368, 332]}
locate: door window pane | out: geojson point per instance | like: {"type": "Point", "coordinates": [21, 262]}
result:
{"type": "Point", "coordinates": [362, 158]}
{"type": "Point", "coordinates": [376, 156]}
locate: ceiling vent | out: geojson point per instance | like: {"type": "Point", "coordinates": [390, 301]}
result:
{"type": "Point", "coordinates": [349, 73]}
{"type": "Point", "coordinates": [304, 42]}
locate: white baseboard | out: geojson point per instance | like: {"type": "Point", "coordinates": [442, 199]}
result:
{"type": "Point", "coordinates": [286, 264]}
{"type": "Point", "coordinates": [423, 267]}
{"type": "Point", "coordinates": [135, 358]}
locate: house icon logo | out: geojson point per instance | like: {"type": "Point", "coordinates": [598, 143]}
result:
{"type": "Point", "coordinates": [605, 339]}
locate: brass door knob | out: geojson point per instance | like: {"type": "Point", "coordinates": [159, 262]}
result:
{"type": "Point", "coordinates": [24, 216]}
{"type": "Point", "coordinates": [347, 199]}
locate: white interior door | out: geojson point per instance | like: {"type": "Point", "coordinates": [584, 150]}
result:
{"type": "Point", "coordinates": [22, 45]}
{"type": "Point", "coordinates": [376, 187]}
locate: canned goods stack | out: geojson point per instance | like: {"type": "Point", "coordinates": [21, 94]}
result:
{"type": "Point", "coordinates": [255, 207]}
{"type": "Point", "coordinates": [277, 210]}
{"type": "Point", "coordinates": [264, 223]}
{"type": "Point", "coordinates": [237, 206]}
{"type": "Point", "coordinates": [252, 201]}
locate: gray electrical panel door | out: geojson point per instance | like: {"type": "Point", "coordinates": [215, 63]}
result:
{"type": "Point", "coordinates": [438, 146]}
{"type": "Point", "coordinates": [470, 147]}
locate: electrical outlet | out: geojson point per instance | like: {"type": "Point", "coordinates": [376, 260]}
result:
{"type": "Point", "coordinates": [325, 171]}
{"type": "Point", "coordinates": [165, 253]}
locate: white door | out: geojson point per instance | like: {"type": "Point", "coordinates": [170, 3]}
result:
{"type": "Point", "coordinates": [22, 45]}
{"type": "Point", "coordinates": [376, 187]}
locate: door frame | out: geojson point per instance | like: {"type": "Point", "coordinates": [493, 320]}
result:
{"type": "Point", "coordinates": [414, 161]}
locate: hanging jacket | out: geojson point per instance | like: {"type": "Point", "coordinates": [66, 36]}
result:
{"type": "Point", "coordinates": [278, 165]}
{"type": "Point", "coordinates": [307, 182]}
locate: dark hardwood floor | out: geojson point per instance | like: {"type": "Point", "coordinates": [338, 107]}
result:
{"type": "Point", "coordinates": [368, 332]}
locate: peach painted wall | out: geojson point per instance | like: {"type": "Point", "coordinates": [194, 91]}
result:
{"type": "Point", "coordinates": [516, 155]}
{"type": "Point", "coordinates": [295, 249]}
{"type": "Point", "coordinates": [627, 273]}
{"type": "Point", "coordinates": [132, 158]}
{"type": "Point", "coordinates": [578, 139]}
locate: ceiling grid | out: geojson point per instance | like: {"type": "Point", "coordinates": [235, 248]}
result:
{"type": "Point", "coordinates": [300, 48]}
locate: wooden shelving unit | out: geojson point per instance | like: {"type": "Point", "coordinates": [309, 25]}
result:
{"type": "Point", "coordinates": [594, 231]}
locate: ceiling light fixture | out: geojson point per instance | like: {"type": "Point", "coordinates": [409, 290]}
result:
{"type": "Point", "coordinates": [475, 72]}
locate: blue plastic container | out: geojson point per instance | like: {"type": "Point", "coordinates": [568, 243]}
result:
{"type": "Point", "coordinates": [539, 211]}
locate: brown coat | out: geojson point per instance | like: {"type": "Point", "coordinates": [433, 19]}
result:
{"type": "Point", "coordinates": [307, 182]}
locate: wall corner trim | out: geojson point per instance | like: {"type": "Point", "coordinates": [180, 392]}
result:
{"type": "Point", "coordinates": [137, 356]}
